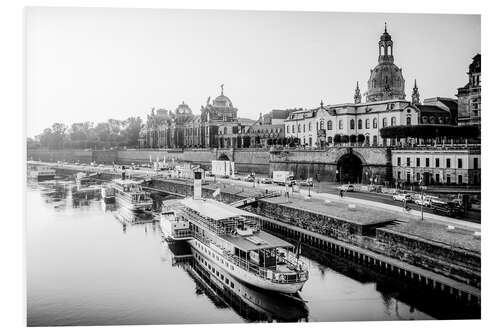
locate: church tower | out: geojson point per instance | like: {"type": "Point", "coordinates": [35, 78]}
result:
{"type": "Point", "coordinates": [415, 96]}
{"type": "Point", "coordinates": [386, 79]}
{"type": "Point", "coordinates": [357, 94]}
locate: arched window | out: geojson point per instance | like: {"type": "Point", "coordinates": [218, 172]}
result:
{"type": "Point", "coordinates": [374, 140]}
{"type": "Point", "coordinates": [360, 124]}
{"type": "Point", "coordinates": [408, 121]}
{"type": "Point", "coordinates": [317, 126]}
{"type": "Point", "coordinates": [393, 121]}
{"type": "Point", "coordinates": [298, 128]}
{"type": "Point", "coordinates": [431, 120]}
{"type": "Point", "coordinates": [367, 123]}
{"type": "Point", "coordinates": [330, 140]}
{"type": "Point", "coordinates": [225, 130]}
{"type": "Point", "coordinates": [341, 124]}
{"type": "Point", "coordinates": [288, 128]}
{"type": "Point", "coordinates": [374, 122]}
{"type": "Point", "coordinates": [384, 122]}
{"type": "Point", "coordinates": [367, 139]}
{"type": "Point", "coordinates": [293, 128]}
{"type": "Point", "coordinates": [329, 125]}
{"type": "Point", "coordinates": [424, 120]}
{"type": "Point", "coordinates": [310, 126]}
{"type": "Point", "coordinates": [352, 124]}
{"type": "Point", "coordinates": [304, 128]}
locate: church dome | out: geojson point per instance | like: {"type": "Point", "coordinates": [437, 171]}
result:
{"type": "Point", "coordinates": [386, 79]}
{"type": "Point", "coordinates": [223, 102]}
{"type": "Point", "coordinates": [183, 108]}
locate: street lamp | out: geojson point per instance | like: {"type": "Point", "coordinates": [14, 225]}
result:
{"type": "Point", "coordinates": [422, 188]}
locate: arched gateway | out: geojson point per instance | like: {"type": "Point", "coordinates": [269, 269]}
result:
{"type": "Point", "coordinates": [349, 169]}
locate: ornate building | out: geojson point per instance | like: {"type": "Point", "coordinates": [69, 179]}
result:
{"type": "Point", "coordinates": [469, 96]}
{"type": "Point", "coordinates": [386, 79]}
{"type": "Point", "coordinates": [217, 125]}
{"type": "Point", "coordinates": [385, 106]}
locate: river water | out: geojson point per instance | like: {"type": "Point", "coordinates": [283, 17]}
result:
{"type": "Point", "coordinates": [87, 266]}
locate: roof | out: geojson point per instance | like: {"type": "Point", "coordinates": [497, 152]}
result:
{"type": "Point", "coordinates": [431, 109]}
{"type": "Point", "coordinates": [257, 241]}
{"type": "Point", "coordinates": [213, 209]}
{"type": "Point", "coordinates": [127, 181]}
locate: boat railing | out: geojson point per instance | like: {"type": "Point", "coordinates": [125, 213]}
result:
{"type": "Point", "coordinates": [299, 273]}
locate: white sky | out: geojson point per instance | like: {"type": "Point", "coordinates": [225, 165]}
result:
{"type": "Point", "coordinates": [95, 64]}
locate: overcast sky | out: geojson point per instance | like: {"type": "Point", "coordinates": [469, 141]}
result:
{"type": "Point", "coordinates": [94, 64]}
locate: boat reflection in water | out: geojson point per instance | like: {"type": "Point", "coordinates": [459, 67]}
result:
{"type": "Point", "coordinates": [225, 291]}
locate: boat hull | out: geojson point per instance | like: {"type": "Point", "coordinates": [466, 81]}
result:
{"type": "Point", "coordinates": [242, 275]}
{"type": "Point", "coordinates": [134, 207]}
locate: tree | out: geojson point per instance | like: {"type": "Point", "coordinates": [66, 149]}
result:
{"type": "Point", "coordinates": [345, 139]}
{"type": "Point", "coordinates": [352, 138]}
{"type": "Point", "coordinates": [337, 138]}
{"type": "Point", "coordinates": [361, 138]}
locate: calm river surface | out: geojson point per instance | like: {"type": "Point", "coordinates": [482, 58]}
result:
{"type": "Point", "coordinates": [85, 267]}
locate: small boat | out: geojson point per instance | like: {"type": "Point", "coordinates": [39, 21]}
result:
{"type": "Point", "coordinates": [41, 172]}
{"type": "Point", "coordinates": [107, 194]}
{"type": "Point", "coordinates": [130, 195]}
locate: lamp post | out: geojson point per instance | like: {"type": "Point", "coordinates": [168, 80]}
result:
{"type": "Point", "coordinates": [422, 188]}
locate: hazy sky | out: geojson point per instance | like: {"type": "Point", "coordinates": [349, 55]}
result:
{"type": "Point", "coordinates": [95, 64]}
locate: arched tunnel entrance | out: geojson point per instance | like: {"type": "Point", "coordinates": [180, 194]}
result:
{"type": "Point", "coordinates": [349, 169]}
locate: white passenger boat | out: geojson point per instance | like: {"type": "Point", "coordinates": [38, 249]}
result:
{"type": "Point", "coordinates": [232, 239]}
{"type": "Point", "coordinates": [130, 195]}
{"type": "Point", "coordinates": [41, 172]}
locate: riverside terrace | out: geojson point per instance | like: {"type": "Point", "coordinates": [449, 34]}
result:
{"type": "Point", "coordinates": [454, 252]}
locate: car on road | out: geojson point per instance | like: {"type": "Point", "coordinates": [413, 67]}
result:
{"type": "Point", "coordinates": [249, 179]}
{"type": "Point", "coordinates": [347, 188]}
{"type": "Point", "coordinates": [402, 197]}
{"type": "Point", "coordinates": [307, 182]}
{"type": "Point", "coordinates": [447, 208]}
{"type": "Point", "coordinates": [426, 202]}
{"type": "Point", "coordinates": [266, 181]}
{"type": "Point", "coordinates": [235, 177]}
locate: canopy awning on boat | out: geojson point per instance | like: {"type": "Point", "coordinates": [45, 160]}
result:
{"type": "Point", "coordinates": [257, 241]}
{"type": "Point", "coordinates": [213, 209]}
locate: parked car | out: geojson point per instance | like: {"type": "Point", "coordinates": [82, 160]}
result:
{"type": "Point", "coordinates": [447, 208]}
{"type": "Point", "coordinates": [402, 197]}
{"type": "Point", "coordinates": [235, 177]}
{"type": "Point", "coordinates": [249, 178]}
{"type": "Point", "coordinates": [436, 200]}
{"type": "Point", "coordinates": [307, 182]}
{"type": "Point", "coordinates": [426, 202]}
{"type": "Point", "coordinates": [266, 181]}
{"type": "Point", "coordinates": [347, 187]}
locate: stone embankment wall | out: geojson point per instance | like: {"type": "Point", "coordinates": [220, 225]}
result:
{"type": "Point", "coordinates": [246, 160]}
{"type": "Point", "coordinates": [60, 155]}
{"type": "Point", "coordinates": [323, 163]}
{"type": "Point", "coordinates": [459, 264]}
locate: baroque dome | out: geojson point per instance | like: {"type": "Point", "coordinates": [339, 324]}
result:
{"type": "Point", "coordinates": [183, 108]}
{"type": "Point", "coordinates": [386, 79]}
{"type": "Point", "coordinates": [222, 102]}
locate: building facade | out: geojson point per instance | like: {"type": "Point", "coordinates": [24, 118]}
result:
{"type": "Point", "coordinates": [385, 106]}
{"type": "Point", "coordinates": [437, 166]}
{"type": "Point", "coordinates": [469, 96]}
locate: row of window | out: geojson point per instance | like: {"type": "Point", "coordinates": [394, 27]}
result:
{"type": "Point", "coordinates": [320, 125]}
{"type": "Point", "coordinates": [437, 178]}
{"type": "Point", "coordinates": [437, 160]}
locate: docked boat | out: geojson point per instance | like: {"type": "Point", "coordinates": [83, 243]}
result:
{"type": "Point", "coordinates": [85, 179]}
{"type": "Point", "coordinates": [41, 172]}
{"type": "Point", "coordinates": [107, 194]}
{"type": "Point", "coordinates": [130, 195]}
{"type": "Point", "coordinates": [232, 239]}
{"type": "Point", "coordinates": [172, 227]}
